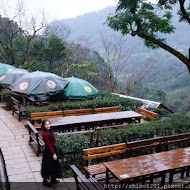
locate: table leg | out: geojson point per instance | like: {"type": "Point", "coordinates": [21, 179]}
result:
{"type": "Point", "coordinates": [163, 176]}
{"type": "Point", "coordinates": [144, 180]}
{"type": "Point", "coordinates": [151, 178]}
{"type": "Point", "coordinates": [182, 173]}
{"type": "Point", "coordinates": [122, 185]}
{"type": "Point", "coordinates": [107, 177]}
{"type": "Point", "coordinates": [187, 174]}
{"type": "Point", "coordinates": [171, 177]}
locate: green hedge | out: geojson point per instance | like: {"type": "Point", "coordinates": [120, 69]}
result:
{"type": "Point", "coordinates": [105, 99]}
{"type": "Point", "coordinates": [70, 148]}
{"type": "Point", "coordinates": [6, 97]}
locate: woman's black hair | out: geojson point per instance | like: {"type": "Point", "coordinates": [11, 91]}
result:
{"type": "Point", "coordinates": [50, 131]}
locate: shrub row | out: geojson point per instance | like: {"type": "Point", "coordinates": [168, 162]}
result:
{"type": "Point", "coordinates": [106, 99]}
{"type": "Point", "coordinates": [70, 148]}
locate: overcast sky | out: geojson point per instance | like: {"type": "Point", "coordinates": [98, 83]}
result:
{"type": "Point", "coordinates": [59, 9]}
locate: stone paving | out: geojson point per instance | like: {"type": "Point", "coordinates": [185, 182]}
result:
{"type": "Point", "coordinates": [21, 162]}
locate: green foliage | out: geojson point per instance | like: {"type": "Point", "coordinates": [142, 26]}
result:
{"type": "Point", "coordinates": [179, 101]}
{"type": "Point", "coordinates": [9, 33]}
{"type": "Point", "coordinates": [48, 51]}
{"type": "Point", "coordinates": [87, 71]}
{"type": "Point", "coordinates": [70, 150]}
{"type": "Point", "coordinates": [6, 96]}
{"type": "Point", "coordinates": [106, 100]}
{"type": "Point", "coordinates": [137, 17]}
{"type": "Point", "coordinates": [162, 113]}
{"type": "Point", "coordinates": [149, 93]}
{"type": "Point", "coordinates": [188, 114]}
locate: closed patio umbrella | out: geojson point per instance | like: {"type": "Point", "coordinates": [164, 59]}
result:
{"type": "Point", "coordinates": [9, 77]}
{"type": "Point", "coordinates": [39, 84]}
{"type": "Point", "coordinates": [79, 89]}
{"type": "Point", "coordinates": [5, 68]}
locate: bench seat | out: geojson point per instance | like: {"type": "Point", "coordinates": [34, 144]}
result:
{"type": "Point", "coordinates": [95, 169]}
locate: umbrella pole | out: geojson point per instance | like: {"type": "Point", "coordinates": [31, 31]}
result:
{"type": "Point", "coordinates": [24, 100]}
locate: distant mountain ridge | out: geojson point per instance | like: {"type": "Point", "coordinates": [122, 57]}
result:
{"type": "Point", "coordinates": [92, 23]}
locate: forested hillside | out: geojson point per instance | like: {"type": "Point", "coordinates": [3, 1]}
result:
{"type": "Point", "coordinates": [168, 73]}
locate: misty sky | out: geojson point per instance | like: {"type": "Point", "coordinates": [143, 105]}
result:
{"type": "Point", "coordinates": [59, 9]}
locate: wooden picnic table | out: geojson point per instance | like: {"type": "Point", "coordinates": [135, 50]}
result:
{"type": "Point", "coordinates": [131, 168]}
{"type": "Point", "coordinates": [159, 163]}
{"type": "Point", "coordinates": [94, 118]}
{"type": "Point", "coordinates": [174, 159]}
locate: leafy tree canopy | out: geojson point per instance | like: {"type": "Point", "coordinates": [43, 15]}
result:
{"type": "Point", "coordinates": [48, 51]}
{"type": "Point", "coordinates": [150, 21]}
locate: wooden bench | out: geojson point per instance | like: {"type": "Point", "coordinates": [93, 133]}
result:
{"type": "Point", "coordinates": [100, 152]}
{"type": "Point", "coordinates": [84, 183]}
{"type": "Point", "coordinates": [36, 118]}
{"type": "Point", "coordinates": [147, 113]}
{"type": "Point", "coordinates": [35, 139]}
{"type": "Point", "coordinates": [161, 142]}
{"type": "Point", "coordinates": [76, 112]}
{"type": "Point", "coordinates": [18, 108]}
{"type": "Point", "coordinates": [107, 109]}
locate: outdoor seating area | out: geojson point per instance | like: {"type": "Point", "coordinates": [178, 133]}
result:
{"type": "Point", "coordinates": [103, 164]}
{"type": "Point", "coordinates": [94, 95]}
{"type": "Point", "coordinates": [79, 124]}
{"type": "Point", "coordinates": [144, 169]}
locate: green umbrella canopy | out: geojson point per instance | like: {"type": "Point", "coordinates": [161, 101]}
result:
{"type": "Point", "coordinates": [9, 77]}
{"type": "Point", "coordinates": [79, 89]}
{"type": "Point", "coordinates": [39, 84]}
{"type": "Point", "coordinates": [5, 68]}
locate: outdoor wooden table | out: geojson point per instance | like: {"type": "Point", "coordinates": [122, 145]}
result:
{"type": "Point", "coordinates": [128, 169]}
{"type": "Point", "coordinates": [94, 118]}
{"type": "Point", "coordinates": [174, 159]}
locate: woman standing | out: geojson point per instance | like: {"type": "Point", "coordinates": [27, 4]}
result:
{"type": "Point", "coordinates": [51, 168]}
